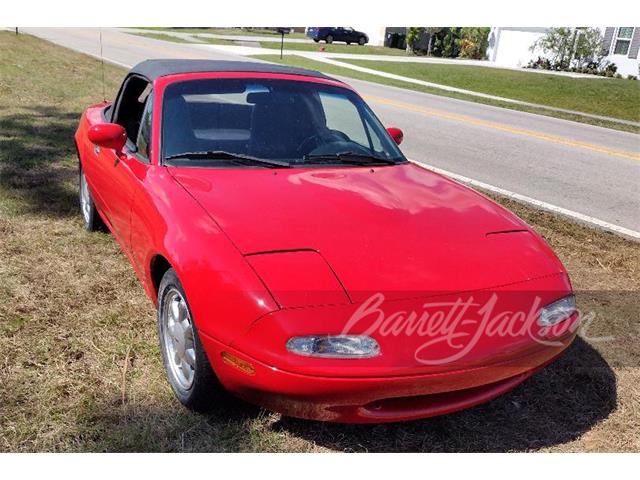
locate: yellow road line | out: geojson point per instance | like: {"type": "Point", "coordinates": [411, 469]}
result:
{"type": "Point", "coordinates": [506, 128]}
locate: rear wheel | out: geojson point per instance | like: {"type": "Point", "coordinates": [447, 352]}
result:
{"type": "Point", "coordinates": [316, 40]}
{"type": "Point", "coordinates": [185, 361]}
{"type": "Point", "coordinates": [329, 39]}
{"type": "Point", "coordinates": [90, 216]}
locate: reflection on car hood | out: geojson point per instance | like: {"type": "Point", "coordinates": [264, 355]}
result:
{"type": "Point", "coordinates": [400, 229]}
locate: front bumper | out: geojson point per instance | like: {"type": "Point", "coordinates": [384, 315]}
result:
{"type": "Point", "coordinates": [375, 399]}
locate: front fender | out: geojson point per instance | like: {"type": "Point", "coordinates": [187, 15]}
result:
{"type": "Point", "coordinates": [224, 293]}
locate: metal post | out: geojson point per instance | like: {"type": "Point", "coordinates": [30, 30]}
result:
{"type": "Point", "coordinates": [281, 43]}
{"type": "Point", "coordinates": [16, 30]}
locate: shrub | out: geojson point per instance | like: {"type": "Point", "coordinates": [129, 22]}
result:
{"type": "Point", "coordinates": [413, 36]}
{"type": "Point", "coordinates": [445, 42]}
{"type": "Point", "coordinates": [473, 42]}
{"type": "Point", "coordinates": [607, 69]}
{"type": "Point", "coordinates": [540, 63]}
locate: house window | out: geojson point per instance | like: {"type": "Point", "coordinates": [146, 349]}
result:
{"type": "Point", "coordinates": [623, 40]}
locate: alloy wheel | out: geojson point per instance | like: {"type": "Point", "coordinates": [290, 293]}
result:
{"type": "Point", "coordinates": [178, 338]}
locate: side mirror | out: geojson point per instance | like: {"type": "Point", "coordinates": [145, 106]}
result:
{"type": "Point", "coordinates": [108, 135]}
{"type": "Point", "coordinates": [396, 134]}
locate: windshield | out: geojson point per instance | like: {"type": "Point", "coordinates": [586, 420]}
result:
{"type": "Point", "coordinates": [265, 122]}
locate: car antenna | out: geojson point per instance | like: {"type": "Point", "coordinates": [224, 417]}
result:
{"type": "Point", "coordinates": [104, 94]}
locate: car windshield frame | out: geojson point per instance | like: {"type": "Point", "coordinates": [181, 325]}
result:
{"type": "Point", "coordinates": [388, 155]}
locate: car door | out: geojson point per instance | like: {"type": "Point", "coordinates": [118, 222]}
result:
{"type": "Point", "coordinates": [350, 35]}
{"type": "Point", "coordinates": [96, 169]}
{"type": "Point", "coordinates": [124, 172]}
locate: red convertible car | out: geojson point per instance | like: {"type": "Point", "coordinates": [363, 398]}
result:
{"type": "Point", "coordinates": [299, 261]}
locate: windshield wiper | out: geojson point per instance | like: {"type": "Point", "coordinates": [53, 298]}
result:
{"type": "Point", "coordinates": [224, 155]}
{"type": "Point", "coordinates": [351, 158]}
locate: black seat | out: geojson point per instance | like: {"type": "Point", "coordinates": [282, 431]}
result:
{"type": "Point", "coordinates": [179, 137]}
{"type": "Point", "coordinates": [279, 125]}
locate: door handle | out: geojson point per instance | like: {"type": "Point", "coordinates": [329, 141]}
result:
{"type": "Point", "coordinates": [96, 149]}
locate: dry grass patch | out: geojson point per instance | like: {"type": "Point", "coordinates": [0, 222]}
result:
{"type": "Point", "coordinates": [80, 368]}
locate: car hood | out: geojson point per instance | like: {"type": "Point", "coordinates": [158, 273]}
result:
{"type": "Point", "coordinates": [402, 230]}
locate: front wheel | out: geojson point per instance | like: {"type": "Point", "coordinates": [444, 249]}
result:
{"type": "Point", "coordinates": [185, 361]}
{"type": "Point", "coordinates": [90, 216]}
{"type": "Point", "coordinates": [362, 41]}
{"type": "Point", "coordinates": [329, 39]}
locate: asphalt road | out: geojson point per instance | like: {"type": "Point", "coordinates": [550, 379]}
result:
{"type": "Point", "coordinates": [591, 171]}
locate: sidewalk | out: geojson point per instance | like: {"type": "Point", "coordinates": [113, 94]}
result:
{"type": "Point", "coordinates": [448, 61]}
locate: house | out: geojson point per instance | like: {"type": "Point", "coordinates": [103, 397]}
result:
{"type": "Point", "coordinates": [511, 46]}
{"type": "Point", "coordinates": [621, 46]}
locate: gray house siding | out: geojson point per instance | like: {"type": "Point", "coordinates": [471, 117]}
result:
{"type": "Point", "coordinates": [635, 43]}
{"type": "Point", "coordinates": [608, 39]}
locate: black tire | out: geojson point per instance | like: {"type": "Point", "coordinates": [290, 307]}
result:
{"type": "Point", "coordinates": [205, 389]}
{"type": "Point", "coordinates": [316, 40]}
{"type": "Point", "coordinates": [362, 41]}
{"type": "Point", "coordinates": [348, 43]}
{"type": "Point", "coordinates": [90, 216]}
{"type": "Point", "coordinates": [329, 39]}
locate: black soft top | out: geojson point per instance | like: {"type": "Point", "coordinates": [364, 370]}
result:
{"type": "Point", "coordinates": [152, 69]}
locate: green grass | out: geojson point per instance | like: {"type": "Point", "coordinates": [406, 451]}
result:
{"type": "Point", "coordinates": [197, 38]}
{"type": "Point", "coordinates": [80, 366]}
{"type": "Point", "coordinates": [298, 61]}
{"type": "Point", "coordinates": [338, 48]}
{"type": "Point", "coordinates": [162, 36]}
{"type": "Point", "coordinates": [216, 41]}
{"type": "Point", "coordinates": [227, 31]}
{"type": "Point", "coordinates": [616, 98]}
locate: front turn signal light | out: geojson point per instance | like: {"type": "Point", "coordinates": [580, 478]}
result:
{"type": "Point", "coordinates": [240, 364]}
